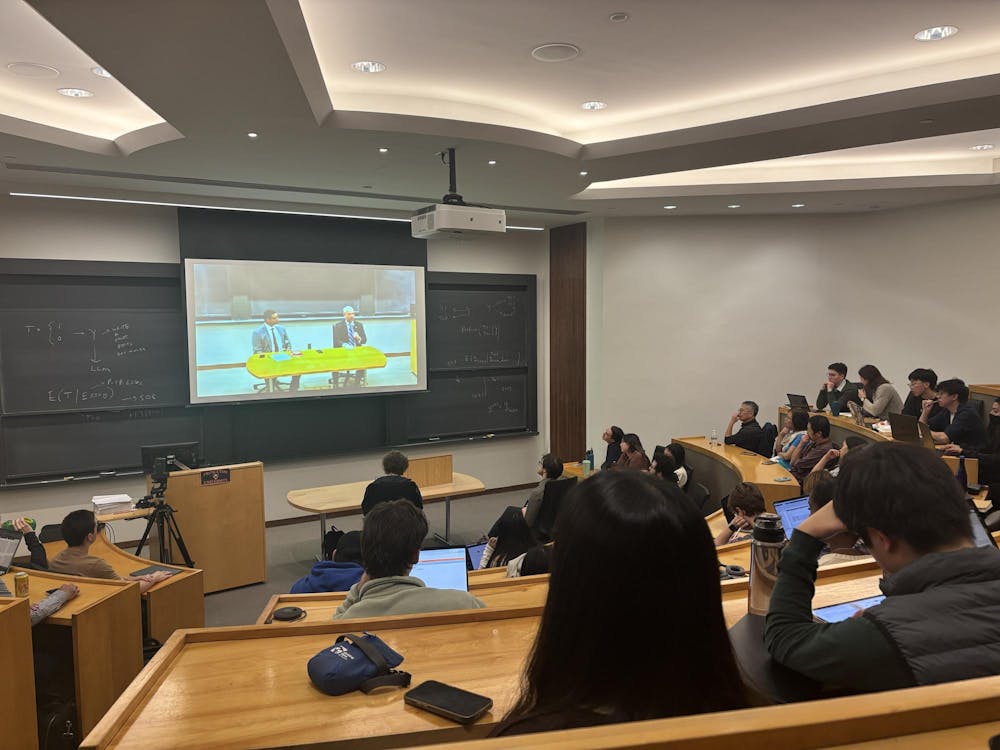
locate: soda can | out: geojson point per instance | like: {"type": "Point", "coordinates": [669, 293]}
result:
{"type": "Point", "coordinates": [21, 584]}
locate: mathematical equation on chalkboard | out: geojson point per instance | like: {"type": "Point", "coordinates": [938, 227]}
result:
{"type": "Point", "coordinates": [476, 329]}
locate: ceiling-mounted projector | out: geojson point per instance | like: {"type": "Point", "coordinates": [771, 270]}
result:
{"type": "Point", "coordinates": [453, 217]}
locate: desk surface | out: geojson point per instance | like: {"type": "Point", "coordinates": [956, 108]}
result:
{"type": "Point", "coordinates": [329, 359]}
{"type": "Point", "coordinates": [17, 690]}
{"type": "Point", "coordinates": [93, 591]}
{"type": "Point", "coordinates": [774, 481]}
{"type": "Point", "coordinates": [345, 499]}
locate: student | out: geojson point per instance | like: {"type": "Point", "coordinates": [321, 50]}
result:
{"type": "Point", "coordinates": [988, 457]}
{"type": "Point", "coordinates": [834, 455]}
{"type": "Point", "coordinates": [513, 538]}
{"type": "Point", "coordinates": [390, 547]}
{"type": "Point", "coordinates": [793, 432]}
{"type": "Point", "coordinates": [39, 558]}
{"type": "Point", "coordinates": [51, 604]}
{"type": "Point", "coordinates": [748, 436]}
{"type": "Point", "coordinates": [633, 456]}
{"type": "Point", "coordinates": [938, 622]}
{"type": "Point", "coordinates": [746, 502]}
{"type": "Point", "coordinates": [634, 537]}
{"type": "Point", "coordinates": [338, 574]}
{"type": "Point", "coordinates": [957, 423]}
{"type": "Point", "coordinates": [393, 485]}
{"type": "Point", "coordinates": [685, 473]}
{"type": "Point", "coordinates": [923, 383]}
{"type": "Point", "coordinates": [550, 468]}
{"type": "Point", "coordinates": [837, 389]}
{"type": "Point", "coordinates": [808, 453]}
{"type": "Point", "coordinates": [845, 547]}
{"type": "Point", "coordinates": [663, 466]}
{"type": "Point", "coordinates": [79, 530]}
{"type": "Point", "coordinates": [878, 397]}
{"type": "Point", "coordinates": [613, 437]}
{"type": "Point", "coordinates": [536, 560]}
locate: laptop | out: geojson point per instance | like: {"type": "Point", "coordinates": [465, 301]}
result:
{"type": "Point", "coordinates": [904, 428]}
{"type": "Point", "coordinates": [475, 555]}
{"type": "Point", "coordinates": [10, 540]}
{"type": "Point", "coordinates": [981, 535]}
{"type": "Point", "coordinates": [792, 512]}
{"type": "Point", "coordinates": [442, 568]}
{"type": "Point", "coordinates": [856, 413]}
{"type": "Point", "coordinates": [798, 401]}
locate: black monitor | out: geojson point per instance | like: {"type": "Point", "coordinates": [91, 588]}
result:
{"type": "Point", "coordinates": [185, 456]}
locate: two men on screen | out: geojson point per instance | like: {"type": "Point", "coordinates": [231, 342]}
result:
{"type": "Point", "coordinates": [348, 334]}
{"type": "Point", "coordinates": [272, 337]}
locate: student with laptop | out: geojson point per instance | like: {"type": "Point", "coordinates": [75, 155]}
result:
{"type": "Point", "coordinates": [988, 457]}
{"type": "Point", "coordinates": [39, 558]}
{"type": "Point", "coordinates": [878, 396]}
{"type": "Point", "coordinates": [513, 538]}
{"type": "Point", "coordinates": [957, 422]}
{"type": "Point", "coordinates": [839, 548]}
{"type": "Point", "coordinates": [938, 622]}
{"type": "Point", "coordinates": [837, 389]}
{"type": "Point", "coordinates": [10, 541]}
{"type": "Point", "coordinates": [390, 547]}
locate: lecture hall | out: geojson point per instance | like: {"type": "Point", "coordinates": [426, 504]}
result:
{"type": "Point", "coordinates": [399, 373]}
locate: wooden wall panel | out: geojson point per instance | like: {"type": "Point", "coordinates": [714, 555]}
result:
{"type": "Point", "coordinates": [568, 341]}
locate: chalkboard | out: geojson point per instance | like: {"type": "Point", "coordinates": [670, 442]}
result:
{"type": "Point", "coordinates": [85, 359]}
{"type": "Point", "coordinates": [473, 405]}
{"type": "Point", "coordinates": [479, 328]}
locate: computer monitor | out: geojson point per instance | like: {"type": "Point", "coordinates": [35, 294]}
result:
{"type": "Point", "coordinates": [792, 512]}
{"type": "Point", "coordinates": [185, 456]}
{"type": "Point", "coordinates": [442, 568]}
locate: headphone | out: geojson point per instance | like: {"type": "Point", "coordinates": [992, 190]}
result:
{"type": "Point", "coordinates": [731, 571]}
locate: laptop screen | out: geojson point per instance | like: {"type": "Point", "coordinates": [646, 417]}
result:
{"type": "Point", "coordinates": [846, 610]}
{"type": "Point", "coordinates": [981, 536]}
{"type": "Point", "coordinates": [9, 542]}
{"type": "Point", "coordinates": [792, 512]}
{"type": "Point", "coordinates": [442, 568]}
{"type": "Point", "coordinates": [476, 554]}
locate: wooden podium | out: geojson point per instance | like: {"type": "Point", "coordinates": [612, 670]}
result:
{"type": "Point", "coordinates": [220, 513]}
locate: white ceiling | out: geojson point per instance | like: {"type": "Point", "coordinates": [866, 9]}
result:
{"type": "Point", "coordinates": [714, 102]}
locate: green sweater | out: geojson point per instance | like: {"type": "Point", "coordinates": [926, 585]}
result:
{"type": "Point", "coordinates": [851, 654]}
{"type": "Point", "coordinates": [401, 595]}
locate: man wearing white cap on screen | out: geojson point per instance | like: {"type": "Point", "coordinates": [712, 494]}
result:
{"type": "Point", "coordinates": [349, 333]}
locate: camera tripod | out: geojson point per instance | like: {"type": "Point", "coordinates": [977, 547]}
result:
{"type": "Point", "coordinates": [166, 524]}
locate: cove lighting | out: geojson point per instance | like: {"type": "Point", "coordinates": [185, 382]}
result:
{"type": "Point", "coordinates": [251, 134]}
{"type": "Point", "coordinates": [100, 72]}
{"type": "Point", "coordinates": [491, 162]}
{"type": "Point", "coordinates": [383, 150]}
{"type": "Point", "coordinates": [584, 173]}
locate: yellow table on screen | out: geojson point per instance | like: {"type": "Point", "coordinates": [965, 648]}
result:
{"type": "Point", "coordinates": [281, 364]}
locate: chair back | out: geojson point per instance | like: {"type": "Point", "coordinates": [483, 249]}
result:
{"type": "Point", "coordinates": [702, 498]}
{"type": "Point", "coordinates": [50, 532]}
{"type": "Point", "coordinates": [552, 504]}
{"type": "Point", "coordinates": [768, 434]}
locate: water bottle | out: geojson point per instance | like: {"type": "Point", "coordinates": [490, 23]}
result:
{"type": "Point", "coordinates": [963, 478]}
{"type": "Point", "coordinates": [714, 439]}
{"type": "Point", "coordinates": [765, 552]}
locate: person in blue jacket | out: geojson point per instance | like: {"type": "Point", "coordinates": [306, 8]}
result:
{"type": "Point", "coordinates": [338, 574]}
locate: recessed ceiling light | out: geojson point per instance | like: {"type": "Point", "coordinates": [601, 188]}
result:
{"type": "Point", "coordinates": [100, 72]}
{"type": "Point", "coordinates": [368, 66]}
{"type": "Point", "coordinates": [594, 106]}
{"type": "Point", "coordinates": [555, 52]}
{"type": "Point", "coordinates": [734, 205]}
{"type": "Point", "coordinates": [251, 134]}
{"type": "Point", "coordinates": [76, 93]}
{"type": "Point", "coordinates": [618, 17]}
{"type": "Point", "coordinates": [32, 70]}
{"type": "Point", "coordinates": [383, 150]}
{"type": "Point", "coordinates": [584, 173]}
{"type": "Point", "coordinates": [491, 162]}
{"type": "Point", "coordinates": [982, 147]}
{"type": "Point", "coordinates": [671, 207]}
{"type": "Point", "coordinates": [935, 33]}
{"type": "Point", "coordinates": [798, 205]}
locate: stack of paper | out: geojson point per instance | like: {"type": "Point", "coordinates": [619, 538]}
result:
{"type": "Point", "coordinates": [105, 505]}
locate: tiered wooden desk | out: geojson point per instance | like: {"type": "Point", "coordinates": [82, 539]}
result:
{"type": "Point", "coordinates": [987, 393]}
{"type": "Point", "coordinates": [433, 475]}
{"type": "Point", "coordinates": [106, 633]}
{"type": "Point", "coordinates": [17, 689]}
{"type": "Point", "coordinates": [178, 602]}
{"type": "Point", "coordinates": [722, 467]}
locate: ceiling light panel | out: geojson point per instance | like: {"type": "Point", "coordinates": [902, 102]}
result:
{"type": "Point", "coordinates": [25, 36]}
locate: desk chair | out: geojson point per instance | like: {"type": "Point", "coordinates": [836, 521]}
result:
{"type": "Point", "coordinates": [702, 499]}
{"type": "Point", "coordinates": [50, 532]}
{"type": "Point", "coordinates": [552, 504]}
{"type": "Point", "coordinates": [269, 385]}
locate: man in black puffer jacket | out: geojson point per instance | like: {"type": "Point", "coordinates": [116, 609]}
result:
{"type": "Point", "coordinates": [940, 620]}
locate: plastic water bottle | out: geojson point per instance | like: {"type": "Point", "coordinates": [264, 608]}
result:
{"type": "Point", "coordinates": [714, 439]}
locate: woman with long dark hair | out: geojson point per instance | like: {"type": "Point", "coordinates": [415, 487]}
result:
{"type": "Point", "coordinates": [878, 397]}
{"type": "Point", "coordinates": [685, 473]}
{"type": "Point", "coordinates": [513, 538]}
{"type": "Point", "coordinates": [653, 644]}
{"type": "Point", "coordinates": [633, 454]}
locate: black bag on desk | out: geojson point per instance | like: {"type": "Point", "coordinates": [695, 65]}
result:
{"type": "Point", "coordinates": [356, 663]}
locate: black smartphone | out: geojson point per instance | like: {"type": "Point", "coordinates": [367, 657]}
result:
{"type": "Point", "coordinates": [447, 701]}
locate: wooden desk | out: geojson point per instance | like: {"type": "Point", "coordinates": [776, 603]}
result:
{"type": "Point", "coordinates": [987, 393]}
{"type": "Point", "coordinates": [106, 633]}
{"type": "Point", "coordinates": [526, 591]}
{"type": "Point", "coordinates": [17, 690]}
{"type": "Point", "coordinates": [178, 602]}
{"type": "Point", "coordinates": [345, 499]}
{"type": "Point", "coordinates": [722, 467]}
{"type": "Point", "coordinates": [843, 426]}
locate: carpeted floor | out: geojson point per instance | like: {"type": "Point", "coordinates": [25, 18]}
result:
{"type": "Point", "coordinates": [291, 551]}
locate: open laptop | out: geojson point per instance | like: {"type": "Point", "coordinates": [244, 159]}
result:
{"type": "Point", "coordinates": [792, 512]}
{"type": "Point", "coordinates": [10, 540]}
{"type": "Point", "coordinates": [907, 429]}
{"type": "Point", "coordinates": [798, 401]}
{"type": "Point", "coordinates": [442, 568]}
{"type": "Point", "coordinates": [856, 414]}
{"type": "Point", "coordinates": [475, 555]}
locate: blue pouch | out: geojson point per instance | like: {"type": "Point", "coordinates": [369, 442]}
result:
{"type": "Point", "coordinates": [356, 663]}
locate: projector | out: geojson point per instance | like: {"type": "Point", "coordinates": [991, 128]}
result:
{"type": "Point", "coordinates": [452, 220]}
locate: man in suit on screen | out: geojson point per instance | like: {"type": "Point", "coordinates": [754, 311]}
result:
{"type": "Point", "coordinates": [349, 333]}
{"type": "Point", "coordinates": [272, 337]}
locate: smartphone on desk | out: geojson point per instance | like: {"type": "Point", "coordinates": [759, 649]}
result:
{"type": "Point", "coordinates": [447, 701]}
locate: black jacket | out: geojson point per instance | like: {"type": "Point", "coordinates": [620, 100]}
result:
{"type": "Point", "coordinates": [390, 487]}
{"type": "Point", "coordinates": [340, 333]}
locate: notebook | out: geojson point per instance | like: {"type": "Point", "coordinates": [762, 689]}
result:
{"type": "Point", "coordinates": [792, 512]}
{"type": "Point", "coordinates": [153, 569]}
{"type": "Point", "coordinates": [797, 401]}
{"type": "Point", "coordinates": [475, 555]}
{"type": "Point", "coordinates": [9, 542]}
{"type": "Point", "coordinates": [442, 568]}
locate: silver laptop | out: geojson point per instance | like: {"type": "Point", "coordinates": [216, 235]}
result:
{"type": "Point", "coordinates": [9, 542]}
